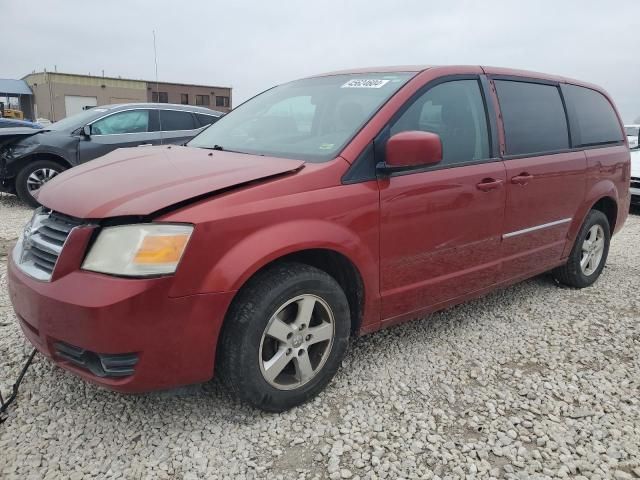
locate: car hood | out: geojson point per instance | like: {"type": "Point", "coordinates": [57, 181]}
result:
{"type": "Point", "coordinates": [12, 134]}
{"type": "Point", "coordinates": [141, 181]}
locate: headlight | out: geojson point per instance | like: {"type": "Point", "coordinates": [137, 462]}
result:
{"type": "Point", "coordinates": [138, 250]}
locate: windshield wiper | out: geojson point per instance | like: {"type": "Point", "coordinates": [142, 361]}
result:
{"type": "Point", "coordinates": [217, 147]}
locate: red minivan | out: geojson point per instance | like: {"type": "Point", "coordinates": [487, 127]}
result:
{"type": "Point", "coordinates": [327, 207]}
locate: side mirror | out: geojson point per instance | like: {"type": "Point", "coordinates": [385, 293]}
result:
{"type": "Point", "coordinates": [412, 149]}
{"type": "Point", "coordinates": [86, 131]}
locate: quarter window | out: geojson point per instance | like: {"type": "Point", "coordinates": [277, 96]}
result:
{"type": "Point", "coordinates": [455, 111]}
{"type": "Point", "coordinates": [176, 120]}
{"type": "Point", "coordinates": [593, 120]}
{"type": "Point", "coordinates": [130, 121]}
{"type": "Point", "coordinates": [202, 99]}
{"type": "Point", "coordinates": [533, 116]}
{"type": "Point", "coordinates": [205, 120]}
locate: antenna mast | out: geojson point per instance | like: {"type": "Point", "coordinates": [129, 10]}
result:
{"type": "Point", "coordinates": [155, 59]}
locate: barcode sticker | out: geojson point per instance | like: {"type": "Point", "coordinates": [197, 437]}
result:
{"type": "Point", "coordinates": [365, 83]}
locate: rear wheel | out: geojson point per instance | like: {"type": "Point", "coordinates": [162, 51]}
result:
{"type": "Point", "coordinates": [33, 176]}
{"type": "Point", "coordinates": [589, 254]}
{"type": "Point", "coordinates": [285, 337]}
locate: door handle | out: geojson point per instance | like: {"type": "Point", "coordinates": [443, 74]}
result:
{"type": "Point", "coordinates": [488, 184]}
{"type": "Point", "coordinates": [146, 145]}
{"type": "Point", "coordinates": [522, 179]}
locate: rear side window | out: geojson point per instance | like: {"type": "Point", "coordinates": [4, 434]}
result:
{"type": "Point", "coordinates": [533, 116]}
{"type": "Point", "coordinates": [176, 120]}
{"type": "Point", "coordinates": [455, 111]}
{"type": "Point", "coordinates": [593, 120]}
{"type": "Point", "coordinates": [205, 120]}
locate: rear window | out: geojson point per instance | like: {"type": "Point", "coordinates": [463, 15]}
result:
{"type": "Point", "coordinates": [533, 116]}
{"type": "Point", "coordinates": [593, 119]}
{"type": "Point", "coordinates": [176, 120]}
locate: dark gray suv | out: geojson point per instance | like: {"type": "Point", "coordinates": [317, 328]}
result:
{"type": "Point", "coordinates": [29, 158]}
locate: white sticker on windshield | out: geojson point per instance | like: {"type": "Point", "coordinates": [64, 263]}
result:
{"type": "Point", "coordinates": [365, 83]}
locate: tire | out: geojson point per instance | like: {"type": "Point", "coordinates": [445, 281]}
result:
{"type": "Point", "coordinates": [44, 170]}
{"type": "Point", "coordinates": [249, 356]}
{"type": "Point", "coordinates": [577, 272]}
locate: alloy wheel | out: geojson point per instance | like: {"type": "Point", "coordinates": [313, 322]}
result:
{"type": "Point", "coordinates": [40, 177]}
{"type": "Point", "coordinates": [592, 250]}
{"type": "Point", "coordinates": [296, 342]}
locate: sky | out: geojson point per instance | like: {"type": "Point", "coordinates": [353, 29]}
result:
{"type": "Point", "coordinates": [253, 45]}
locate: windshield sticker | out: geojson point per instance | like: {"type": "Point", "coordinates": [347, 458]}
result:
{"type": "Point", "coordinates": [365, 83]}
{"type": "Point", "coordinates": [326, 146]}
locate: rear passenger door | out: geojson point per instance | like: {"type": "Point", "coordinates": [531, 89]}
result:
{"type": "Point", "coordinates": [545, 179]}
{"type": "Point", "coordinates": [178, 126]}
{"type": "Point", "coordinates": [440, 227]}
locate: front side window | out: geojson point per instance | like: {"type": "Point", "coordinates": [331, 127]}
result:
{"type": "Point", "coordinates": [130, 121]}
{"type": "Point", "coordinates": [593, 121]}
{"type": "Point", "coordinates": [310, 119]}
{"type": "Point", "coordinates": [175, 120]}
{"type": "Point", "coordinates": [533, 117]}
{"type": "Point", "coordinates": [455, 111]}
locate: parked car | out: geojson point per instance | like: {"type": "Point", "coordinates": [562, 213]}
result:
{"type": "Point", "coordinates": [632, 132]}
{"type": "Point", "coordinates": [13, 123]}
{"type": "Point", "coordinates": [326, 207]}
{"type": "Point", "coordinates": [30, 158]}
{"type": "Point", "coordinates": [635, 176]}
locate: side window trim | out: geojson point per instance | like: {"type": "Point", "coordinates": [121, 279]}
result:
{"type": "Point", "coordinates": [115, 113]}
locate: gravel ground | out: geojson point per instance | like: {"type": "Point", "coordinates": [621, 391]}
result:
{"type": "Point", "coordinates": [534, 381]}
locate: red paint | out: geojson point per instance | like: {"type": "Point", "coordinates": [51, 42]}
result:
{"type": "Point", "coordinates": [411, 149]}
{"type": "Point", "coordinates": [420, 241]}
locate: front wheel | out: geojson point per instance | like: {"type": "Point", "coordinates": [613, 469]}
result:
{"type": "Point", "coordinates": [284, 337]}
{"type": "Point", "coordinates": [33, 176]}
{"type": "Point", "coordinates": [589, 254]}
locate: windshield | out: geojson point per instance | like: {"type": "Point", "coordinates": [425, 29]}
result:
{"type": "Point", "coordinates": [310, 119]}
{"type": "Point", "coordinates": [78, 120]}
{"type": "Point", "coordinates": [632, 131]}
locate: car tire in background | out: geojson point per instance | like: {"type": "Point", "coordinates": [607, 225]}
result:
{"type": "Point", "coordinates": [33, 176]}
{"type": "Point", "coordinates": [589, 254]}
{"type": "Point", "coordinates": [284, 337]}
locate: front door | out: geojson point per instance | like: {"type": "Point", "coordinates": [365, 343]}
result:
{"type": "Point", "coordinates": [128, 128]}
{"type": "Point", "coordinates": [441, 227]}
{"type": "Point", "coordinates": [545, 182]}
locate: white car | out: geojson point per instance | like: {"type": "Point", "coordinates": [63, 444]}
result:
{"type": "Point", "coordinates": [632, 132]}
{"type": "Point", "coordinates": [635, 176]}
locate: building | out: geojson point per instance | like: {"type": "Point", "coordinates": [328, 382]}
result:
{"type": "Point", "coordinates": [58, 95]}
{"type": "Point", "coordinates": [16, 94]}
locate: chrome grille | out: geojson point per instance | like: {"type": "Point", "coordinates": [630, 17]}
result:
{"type": "Point", "coordinates": [40, 245]}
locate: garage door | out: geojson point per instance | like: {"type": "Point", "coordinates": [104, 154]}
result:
{"type": "Point", "coordinates": [75, 104]}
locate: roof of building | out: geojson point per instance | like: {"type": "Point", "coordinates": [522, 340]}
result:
{"type": "Point", "coordinates": [15, 87]}
{"type": "Point", "coordinates": [149, 82]}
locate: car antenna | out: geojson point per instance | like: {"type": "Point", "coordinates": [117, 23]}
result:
{"type": "Point", "coordinates": [155, 59]}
